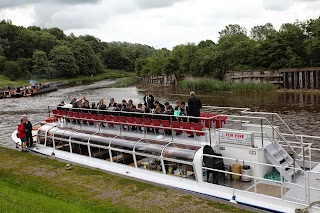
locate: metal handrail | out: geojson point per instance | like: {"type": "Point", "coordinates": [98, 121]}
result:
{"type": "Point", "coordinates": [272, 113]}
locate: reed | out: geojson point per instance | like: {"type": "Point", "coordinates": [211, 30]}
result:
{"type": "Point", "coordinates": [125, 82]}
{"type": "Point", "coordinates": [213, 85]}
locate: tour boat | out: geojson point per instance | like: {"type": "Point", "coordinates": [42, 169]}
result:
{"type": "Point", "coordinates": [245, 157]}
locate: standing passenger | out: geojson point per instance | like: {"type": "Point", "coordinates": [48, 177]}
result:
{"type": "Point", "coordinates": [194, 106]}
{"type": "Point", "coordinates": [148, 100]}
{"type": "Point", "coordinates": [28, 129]}
{"type": "Point", "coordinates": [22, 135]}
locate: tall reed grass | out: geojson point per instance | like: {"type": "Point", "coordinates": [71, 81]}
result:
{"type": "Point", "coordinates": [213, 85]}
{"type": "Point", "coordinates": [125, 82]}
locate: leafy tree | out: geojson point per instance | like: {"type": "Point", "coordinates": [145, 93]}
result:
{"type": "Point", "coordinates": [261, 32]}
{"type": "Point", "coordinates": [58, 33]}
{"type": "Point", "coordinates": [41, 64]}
{"type": "Point", "coordinates": [233, 29]}
{"type": "Point", "coordinates": [12, 70]}
{"type": "Point", "coordinates": [63, 62]}
{"type": "Point", "coordinates": [34, 28]}
{"type": "Point", "coordinates": [26, 65]}
{"type": "Point", "coordinates": [46, 41]}
{"type": "Point", "coordinates": [206, 43]}
{"type": "Point", "coordinates": [3, 61]}
{"type": "Point", "coordinates": [84, 56]}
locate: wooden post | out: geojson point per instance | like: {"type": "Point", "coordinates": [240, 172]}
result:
{"type": "Point", "coordinates": [296, 80]}
{"type": "Point", "coordinates": [300, 80]}
{"type": "Point", "coordinates": [306, 79]}
{"type": "Point", "coordinates": [311, 80]}
{"type": "Point", "coordinates": [290, 86]}
{"type": "Point", "coordinates": [317, 79]}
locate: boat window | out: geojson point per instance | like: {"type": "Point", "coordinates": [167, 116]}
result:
{"type": "Point", "coordinates": [150, 147]}
{"type": "Point", "coordinates": [149, 163]}
{"type": "Point", "coordinates": [122, 157]}
{"type": "Point", "coordinates": [97, 152]}
{"type": "Point", "coordinates": [80, 149]}
{"type": "Point", "coordinates": [180, 152]}
{"type": "Point", "coordinates": [179, 170]}
{"type": "Point", "coordinates": [121, 143]}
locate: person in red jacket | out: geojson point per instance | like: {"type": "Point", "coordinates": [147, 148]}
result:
{"type": "Point", "coordinates": [22, 135]}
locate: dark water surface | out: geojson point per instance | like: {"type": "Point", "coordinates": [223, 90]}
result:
{"type": "Point", "coordinates": [301, 111]}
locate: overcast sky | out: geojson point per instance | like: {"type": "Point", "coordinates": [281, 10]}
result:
{"type": "Point", "coordinates": [159, 23]}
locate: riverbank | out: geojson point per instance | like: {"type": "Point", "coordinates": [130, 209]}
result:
{"type": "Point", "coordinates": [79, 80]}
{"type": "Point", "coordinates": [31, 183]}
{"type": "Point", "coordinates": [213, 85]}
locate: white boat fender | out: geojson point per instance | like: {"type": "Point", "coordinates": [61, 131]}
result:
{"type": "Point", "coordinates": [233, 199]}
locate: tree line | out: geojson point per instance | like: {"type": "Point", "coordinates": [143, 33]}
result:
{"type": "Point", "coordinates": [50, 53]}
{"type": "Point", "coordinates": [263, 48]}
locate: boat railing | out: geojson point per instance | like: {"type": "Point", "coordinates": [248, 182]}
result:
{"type": "Point", "coordinates": [121, 123]}
{"type": "Point", "coordinates": [284, 185]}
{"type": "Point", "coordinates": [273, 116]}
{"type": "Point", "coordinates": [261, 121]}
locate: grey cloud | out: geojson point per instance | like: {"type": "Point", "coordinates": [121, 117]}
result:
{"type": "Point", "coordinates": [14, 3]}
{"type": "Point", "coordinates": [68, 17]}
{"type": "Point", "coordinates": [277, 5]}
{"type": "Point", "coordinates": [148, 4]}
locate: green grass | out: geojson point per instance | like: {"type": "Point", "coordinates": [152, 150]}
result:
{"type": "Point", "coordinates": [125, 82]}
{"type": "Point", "coordinates": [31, 183]}
{"type": "Point", "coordinates": [79, 80]}
{"type": "Point", "coordinates": [213, 85]}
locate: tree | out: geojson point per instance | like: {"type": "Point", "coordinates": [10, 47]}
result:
{"type": "Point", "coordinates": [84, 56]}
{"type": "Point", "coordinates": [26, 65]}
{"type": "Point", "coordinates": [261, 32]}
{"type": "Point", "coordinates": [12, 70]}
{"type": "Point", "coordinates": [3, 61]}
{"type": "Point", "coordinates": [41, 64]}
{"type": "Point", "coordinates": [233, 29]}
{"type": "Point", "coordinates": [58, 33]}
{"type": "Point", "coordinates": [46, 41]}
{"type": "Point", "coordinates": [206, 43]}
{"type": "Point", "coordinates": [113, 58]}
{"type": "Point", "coordinates": [63, 62]}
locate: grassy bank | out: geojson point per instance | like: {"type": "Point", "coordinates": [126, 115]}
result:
{"type": "Point", "coordinates": [125, 82]}
{"type": "Point", "coordinates": [79, 80]}
{"type": "Point", "coordinates": [30, 183]}
{"type": "Point", "coordinates": [212, 85]}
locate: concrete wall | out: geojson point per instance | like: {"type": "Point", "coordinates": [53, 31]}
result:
{"type": "Point", "coordinates": [159, 80]}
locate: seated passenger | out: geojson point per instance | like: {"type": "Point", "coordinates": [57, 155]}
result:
{"type": "Point", "coordinates": [94, 108]}
{"type": "Point", "coordinates": [73, 100]}
{"type": "Point", "coordinates": [112, 104]}
{"type": "Point", "coordinates": [123, 104]}
{"type": "Point", "coordinates": [157, 103]}
{"type": "Point", "coordinates": [101, 105]}
{"type": "Point", "coordinates": [178, 105]}
{"type": "Point", "coordinates": [85, 103]}
{"type": "Point", "coordinates": [60, 105]}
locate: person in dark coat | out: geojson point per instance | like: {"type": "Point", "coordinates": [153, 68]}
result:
{"type": "Point", "coordinates": [194, 106]}
{"type": "Point", "coordinates": [112, 104]}
{"type": "Point", "coordinates": [148, 100]}
{"type": "Point", "coordinates": [28, 129]}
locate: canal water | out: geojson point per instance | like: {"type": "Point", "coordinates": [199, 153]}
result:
{"type": "Point", "coordinates": [300, 110]}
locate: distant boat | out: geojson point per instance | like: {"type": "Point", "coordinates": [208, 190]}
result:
{"type": "Point", "coordinates": [14, 93]}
